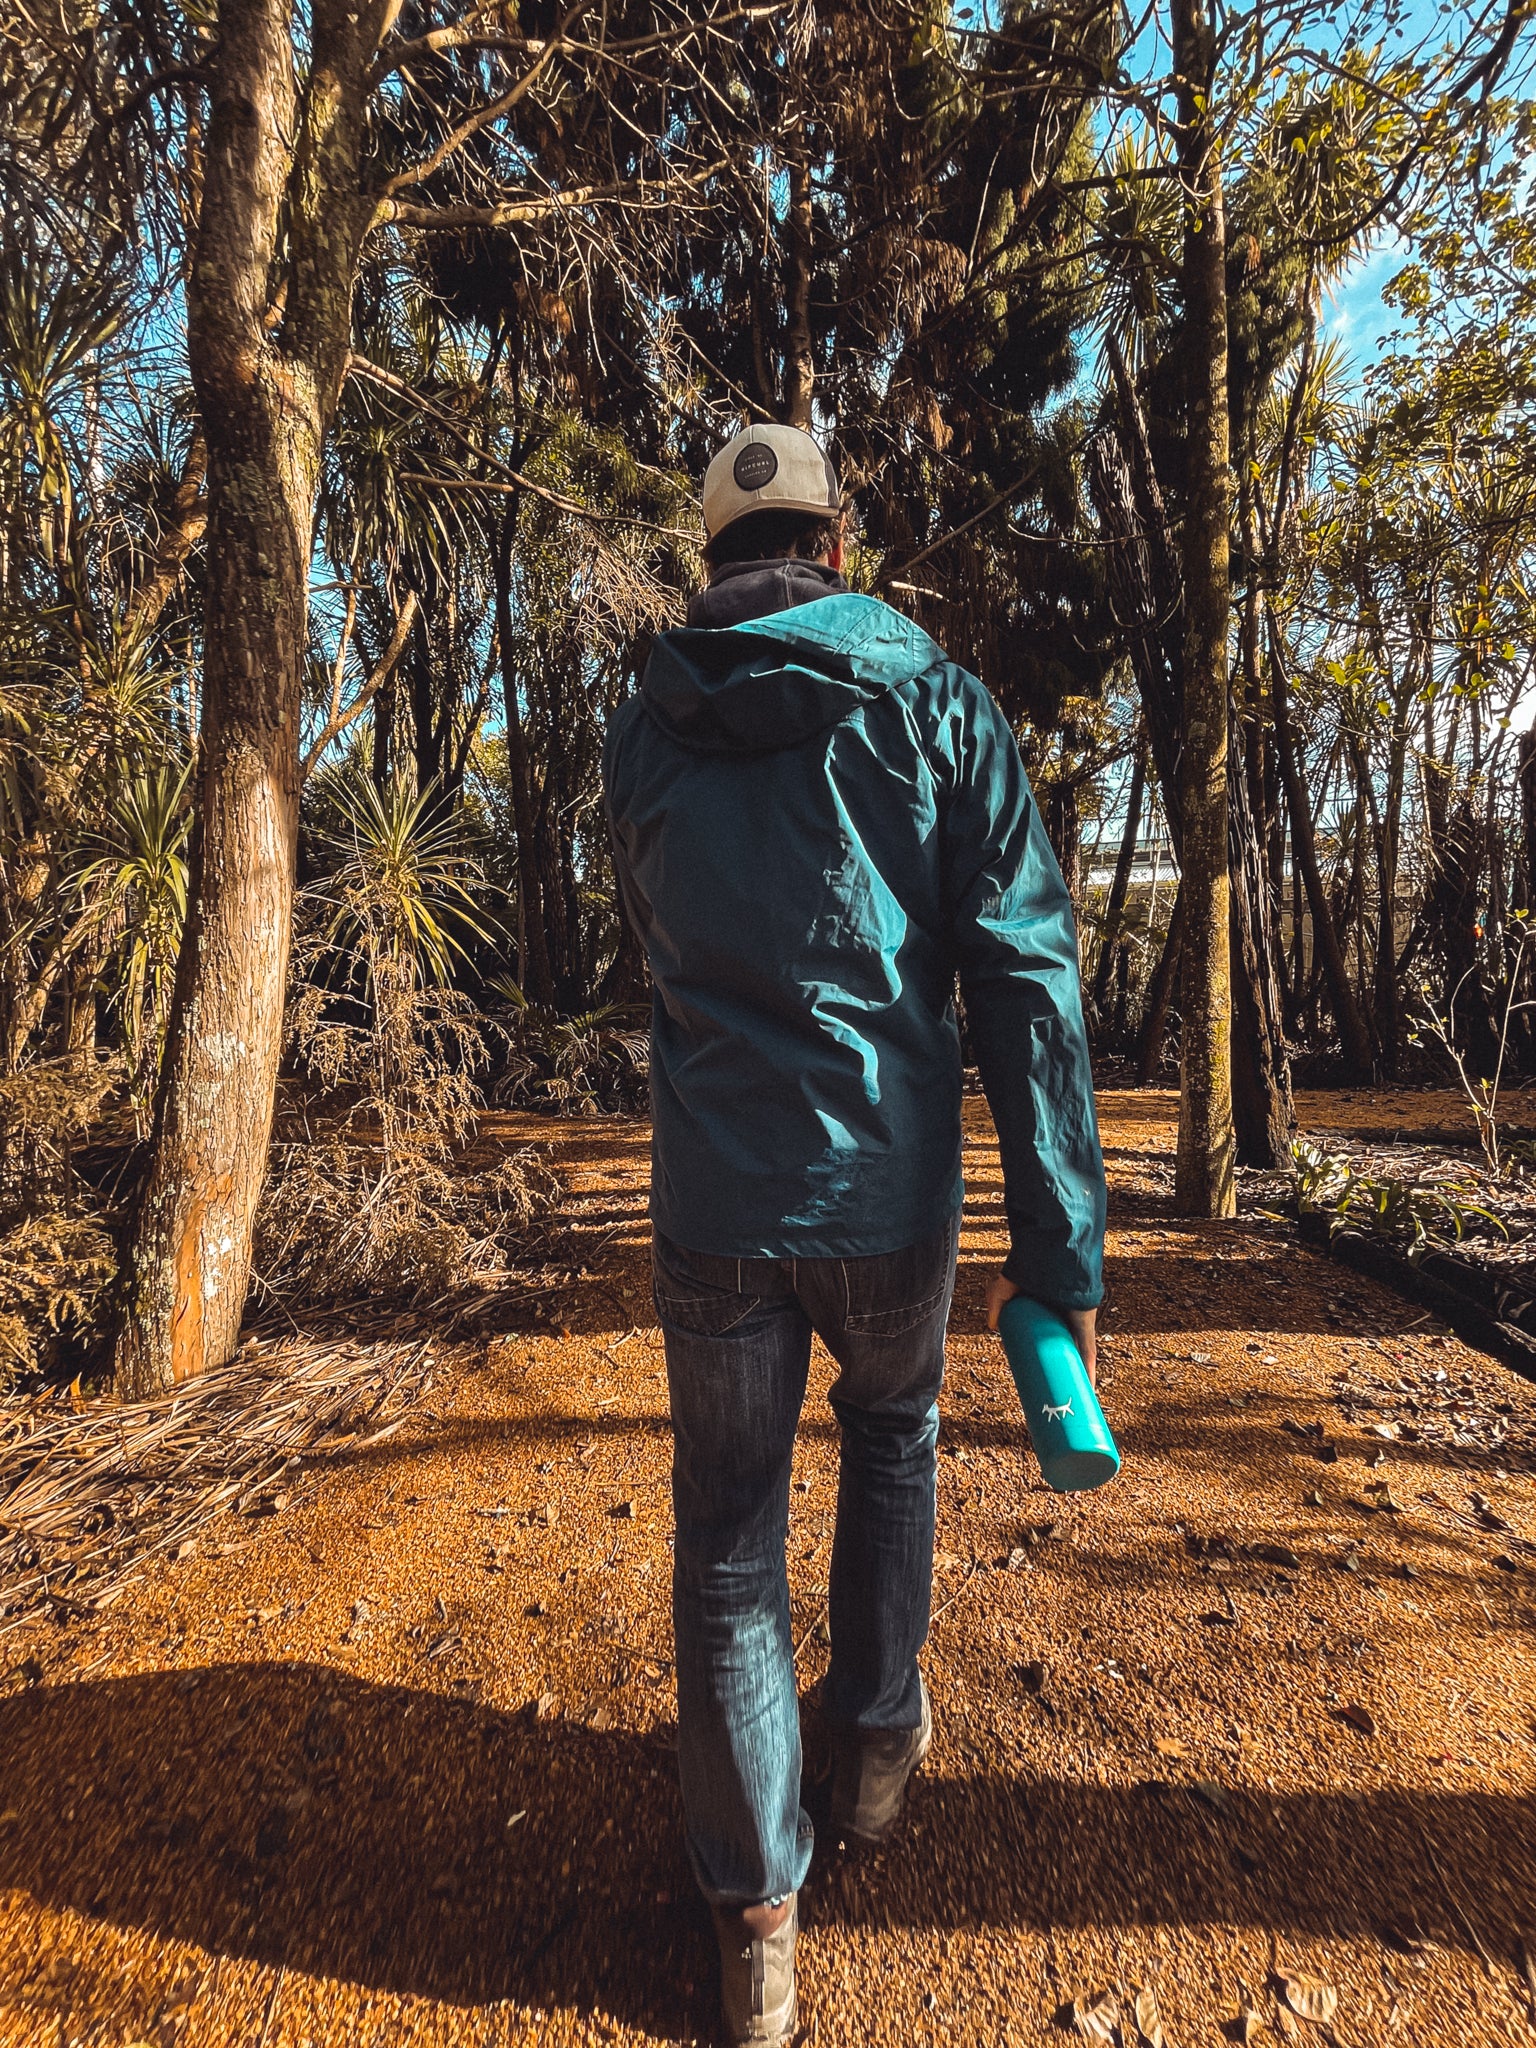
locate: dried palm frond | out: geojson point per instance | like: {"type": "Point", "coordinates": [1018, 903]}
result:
{"type": "Point", "coordinates": [89, 1492]}
{"type": "Point", "coordinates": [340, 1220]}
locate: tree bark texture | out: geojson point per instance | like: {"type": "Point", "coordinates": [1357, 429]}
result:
{"type": "Point", "coordinates": [1205, 1183]}
{"type": "Point", "coordinates": [281, 180]}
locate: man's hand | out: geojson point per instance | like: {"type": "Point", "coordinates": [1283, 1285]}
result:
{"type": "Point", "coordinates": [1082, 1322]}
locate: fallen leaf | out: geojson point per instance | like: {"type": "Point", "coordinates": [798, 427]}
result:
{"type": "Point", "coordinates": [1386, 1430]}
{"type": "Point", "coordinates": [186, 1549]}
{"type": "Point", "coordinates": [550, 1514]}
{"type": "Point", "coordinates": [1096, 2018]}
{"type": "Point", "coordinates": [601, 1721]}
{"type": "Point", "coordinates": [545, 1707]}
{"type": "Point", "coordinates": [1309, 1998]}
{"type": "Point", "coordinates": [1359, 1717]}
{"type": "Point", "coordinates": [441, 1646]}
{"type": "Point", "coordinates": [1169, 1745]}
{"type": "Point", "coordinates": [1312, 1497]}
{"type": "Point", "coordinates": [1246, 2027]}
{"type": "Point", "coordinates": [1149, 2023]}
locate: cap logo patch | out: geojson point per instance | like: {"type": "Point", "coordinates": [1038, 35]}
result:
{"type": "Point", "coordinates": [755, 466]}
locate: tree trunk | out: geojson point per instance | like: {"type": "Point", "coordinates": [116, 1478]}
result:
{"type": "Point", "coordinates": [1263, 1114]}
{"type": "Point", "coordinates": [533, 961]}
{"type": "Point", "coordinates": [1359, 1052]}
{"type": "Point", "coordinates": [1154, 1016]}
{"type": "Point", "coordinates": [1204, 1179]}
{"type": "Point", "coordinates": [799, 355]}
{"type": "Point", "coordinates": [279, 178]}
{"type": "Point", "coordinates": [1120, 888]}
{"type": "Point", "coordinates": [183, 529]}
{"type": "Point", "coordinates": [1063, 820]}
{"type": "Point", "coordinates": [1525, 899]}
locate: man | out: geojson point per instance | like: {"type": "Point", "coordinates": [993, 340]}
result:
{"type": "Point", "coordinates": [818, 820]}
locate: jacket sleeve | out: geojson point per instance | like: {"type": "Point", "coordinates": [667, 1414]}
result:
{"type": "Point", "coordinates": [1011, 924]}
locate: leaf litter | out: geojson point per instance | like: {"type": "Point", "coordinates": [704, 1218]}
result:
{"type": "Point", "coordinates": [558, 1686]}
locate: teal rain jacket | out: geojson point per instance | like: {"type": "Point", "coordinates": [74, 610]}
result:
{"type": "Point", "coordinates": [818, 819]}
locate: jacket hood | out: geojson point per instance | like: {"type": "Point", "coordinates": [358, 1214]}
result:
{"type": "Point", "coordinates": [751, 590]}
{"type": "Point", "coordinates": [769, 683]}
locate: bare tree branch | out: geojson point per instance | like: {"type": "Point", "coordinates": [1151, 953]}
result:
{"type": "Point", "coordinates": [339, 720]}
{"type": "Point", "coordinates": [645, 194]}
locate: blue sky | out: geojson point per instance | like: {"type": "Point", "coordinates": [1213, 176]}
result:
{"type": "Point", "coordinates": [1353, 314]}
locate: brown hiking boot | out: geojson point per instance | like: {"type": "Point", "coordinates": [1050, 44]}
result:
{"type": "Point", "coordinates": [757, 1980]}
{"type": "Point", "coordinates": [870, 1770]}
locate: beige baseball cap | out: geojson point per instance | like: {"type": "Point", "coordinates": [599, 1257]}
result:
{"type": "Point", "coordinates": [779, 469]}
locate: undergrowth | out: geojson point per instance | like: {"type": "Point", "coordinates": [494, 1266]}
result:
{"type": "Point", "coordinates": [1417, 1214]}
{"type": "Point", "coordinates": [57, 1254]}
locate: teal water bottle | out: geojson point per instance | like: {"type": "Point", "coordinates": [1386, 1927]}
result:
{"type": "Point", "coordinates": [1066, 1423]}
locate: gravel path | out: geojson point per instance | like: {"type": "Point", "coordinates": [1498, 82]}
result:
{"type": "Point", "coordinates": [395, 1765]}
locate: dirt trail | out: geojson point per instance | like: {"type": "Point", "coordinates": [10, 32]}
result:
{"type": "Point", "coordinates": [396, 1765]}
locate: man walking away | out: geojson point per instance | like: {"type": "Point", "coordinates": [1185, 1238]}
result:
{"type": "Point", "coordinates": [818, 820]}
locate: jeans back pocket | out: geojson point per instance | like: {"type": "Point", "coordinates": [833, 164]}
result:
{"type": "Point", "coordinates": [896, 1291]}
{"type": "Point", "coordinates": [697, 1292]}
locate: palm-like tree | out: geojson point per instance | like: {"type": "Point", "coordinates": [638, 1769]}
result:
{"type": "Point", "coordinates": [136, 890]}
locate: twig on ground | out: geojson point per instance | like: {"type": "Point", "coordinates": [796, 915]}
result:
{"type": "Point", "coordinates": [973, 1573]}
{"type": "Point", "coordinates": [821, 1615]}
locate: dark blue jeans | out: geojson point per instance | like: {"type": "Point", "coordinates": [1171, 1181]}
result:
{"type": "Point", "coordinates": [738, 1338]}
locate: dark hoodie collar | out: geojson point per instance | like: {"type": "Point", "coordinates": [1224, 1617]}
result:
{"type": "Point", "coordinates": [752, 590]}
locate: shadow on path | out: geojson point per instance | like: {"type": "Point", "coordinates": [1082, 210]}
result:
{"type": "Point", "coordinates": [292, 1814]}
